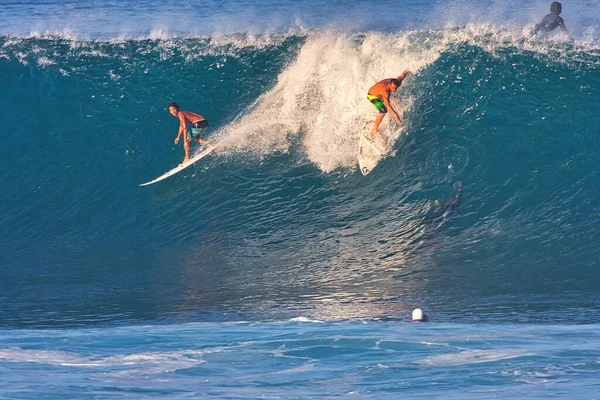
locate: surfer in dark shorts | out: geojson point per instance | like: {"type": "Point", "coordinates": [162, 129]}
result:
{"type": "Point", "coordinates": [552, 21]}
{"type": "Point", "coordinates": [199, 125]}
{"type": "Point", "coordinates": [379, 96]}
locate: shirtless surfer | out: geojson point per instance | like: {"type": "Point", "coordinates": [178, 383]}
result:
{"type": "Point", "coordinates": [379, 95]}
{"type": "Point", "coordinates": [199, 125]}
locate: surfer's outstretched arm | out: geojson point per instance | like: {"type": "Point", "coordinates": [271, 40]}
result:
{"type": "Point", "coordinates": [388, 105]}
{"type": "Point", "coordinates": [387, 100]}
{"type": "Point", "coordinates": [402, 75]}
{"type": "Point", "coordinates": [174, 111]}
{"type": "Point", "coordinates": [565, 31]}
{"type": "Point", "coordinates": [178, 135]}
{"type": "Point", "coordinates": [183, 126]}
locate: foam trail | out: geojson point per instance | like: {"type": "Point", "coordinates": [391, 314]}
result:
{"type": "Point", "coordinates": [323, 96]}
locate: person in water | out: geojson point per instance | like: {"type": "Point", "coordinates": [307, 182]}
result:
{"type": "Point", "coordinates": [440, 208]}
{"type": "Point", "coordinates": [198, 123]}
{"type": "Point", "coordinates": [552, 21]}
{"type": "Point", "coordinates": [379, 96]}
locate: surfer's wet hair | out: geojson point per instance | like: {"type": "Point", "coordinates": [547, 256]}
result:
{"type": "Point", "coordinates": [174, 105]}
{"type": "Point", "coordinates": [556, 7]}
{"type": "Point", "coordinates": [395, 82]}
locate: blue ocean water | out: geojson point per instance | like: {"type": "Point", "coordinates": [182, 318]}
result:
{"type": "Point", "coordinates": [273, 268]}
{"type": "Point", "coordinates": [303, 360]}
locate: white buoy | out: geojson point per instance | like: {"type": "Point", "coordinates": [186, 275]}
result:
{"type": "Point", "coordinates": [418, 316]}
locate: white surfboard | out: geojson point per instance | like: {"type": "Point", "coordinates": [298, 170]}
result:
{"type": "Point", "coordinates": [370, 150]}
{"type": "Point", "coordinates": [181, 167]}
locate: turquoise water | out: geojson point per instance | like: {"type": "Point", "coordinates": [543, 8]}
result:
{"type": "Point", "coordinates": [204, 284]}
{"type": "Point", "coordinates": [304, 360]}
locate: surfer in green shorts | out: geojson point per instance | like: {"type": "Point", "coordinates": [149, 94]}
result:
{"type": "Point", "coordinates": [199, 125]}
{"type": "Point", "coordinates": [379, 95]}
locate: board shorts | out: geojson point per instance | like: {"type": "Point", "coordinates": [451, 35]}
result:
{"type": "Point", "coordinates": [378, 103]}
{"type": "Point", "coordinates": [198, 128]}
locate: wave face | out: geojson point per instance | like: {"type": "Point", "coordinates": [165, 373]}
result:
{"type": "Point", "coordinates": [500, 129]}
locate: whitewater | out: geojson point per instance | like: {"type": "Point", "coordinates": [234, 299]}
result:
{"type": "Point", "coordinates": [272, 268]}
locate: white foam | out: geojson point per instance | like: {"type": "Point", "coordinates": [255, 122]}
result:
{"type": "Point", "coordinates": [471, 357]}
{"type": "Point", "coordinates": [147, 363]}
{"type": "Point", "coordinates": [306, 319]}
{"type": "Point", "coordinates": [52, 357]}
{"type": "Point", "coordinates": [45, 61]}
{"type": "Point", "coordinates": [322, 95]}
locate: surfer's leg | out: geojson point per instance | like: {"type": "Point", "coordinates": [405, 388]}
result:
{"type": "Point", "coordinates": [198, 129]}
{"type": "Point", "coordinates": [376, 124]}
{"type": "Point", "coordinates": [378, 104]}
{"type": "Point", "coordinates": [202, 141]}
{"type": "Point", "coordinates": [186, 147]}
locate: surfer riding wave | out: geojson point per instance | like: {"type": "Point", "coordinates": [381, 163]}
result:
{"type": "Point", "coordinates": [199, 125]}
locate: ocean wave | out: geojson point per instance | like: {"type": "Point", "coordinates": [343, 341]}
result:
{"type": "Point", "coordinates": [282, 205]}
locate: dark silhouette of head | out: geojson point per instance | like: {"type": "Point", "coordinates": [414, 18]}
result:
{"type": "Point", "coordinates": [556, 7]}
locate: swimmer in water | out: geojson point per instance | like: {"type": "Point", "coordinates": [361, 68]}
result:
{"type": "Point", "coordinates": [440, 208]}
{"type": "Point", "coordinates": [552, 21]}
